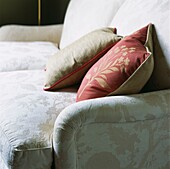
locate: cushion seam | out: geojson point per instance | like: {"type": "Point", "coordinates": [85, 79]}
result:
{"type": "Point", "coordinates": [136, 121]}
{"type": "Point", "coordinates": [31, 149]}
{"type": "Point", "coordinates": [138, 68]}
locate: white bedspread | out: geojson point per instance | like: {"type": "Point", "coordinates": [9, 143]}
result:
{"type": "Point", "coordinates": [25, 55]}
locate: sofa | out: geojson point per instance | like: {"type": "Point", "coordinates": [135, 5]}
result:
{"type": "Point", "coordinates": [48, 129]}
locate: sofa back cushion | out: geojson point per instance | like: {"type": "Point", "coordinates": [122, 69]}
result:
{"type": "Point", "coordinates": [134, 14]}
{"type": "Point", "coordinates": [84, 16]}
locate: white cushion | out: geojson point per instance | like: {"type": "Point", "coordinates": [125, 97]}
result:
{"type": "Point", "coordinates": [83, 16]}
{"type": "Point", "coordinates": [27, 116]}
{"type": "Point", "coordinates": [135, 14]}
{"type": "Point", "coordinates": [25, 55]}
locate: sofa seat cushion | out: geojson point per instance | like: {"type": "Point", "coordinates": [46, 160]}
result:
{"type": "Point", "coordinates": [27, 116]}
{"type": "Point", "coordinates": [25, 55]}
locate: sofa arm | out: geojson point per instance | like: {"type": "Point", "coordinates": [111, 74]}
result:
{"type": "Point", "coordinates": [50, 33]}
{"type": "Point", "coordinates": [114, 132]}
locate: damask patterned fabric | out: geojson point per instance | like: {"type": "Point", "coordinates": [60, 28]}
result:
{"type": "Point", "coordinates": [25, 55]}
{"type": "Point", "coordinates": [27, 116]}
{"type": "Point", "coordinates": [22, 33]}
{"type": "Point", "coordinates": [121, 132]}
{"type": "Point", "coordinates": [2, 164]}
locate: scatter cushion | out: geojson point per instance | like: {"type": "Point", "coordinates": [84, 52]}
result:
{"type": "Point", "coordinates": [69, 65]}
{"type": "Point", "coordinates": [124, 69]}
{"type": "Point", "coordinates": [157, 12]}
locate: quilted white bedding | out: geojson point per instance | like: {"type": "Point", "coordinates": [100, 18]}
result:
{"type": "Point", "coordinates": [25, 55]}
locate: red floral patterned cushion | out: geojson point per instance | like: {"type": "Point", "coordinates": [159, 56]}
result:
{"type": "Point", "coordinates": [124, 69]}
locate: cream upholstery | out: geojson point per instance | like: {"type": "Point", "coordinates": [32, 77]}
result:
{"type": "Point", "coordinates": [25, 55]}
{"type": "Point", "coordinates": [86, 15]}
{"type": "Point", "coordinates": [50, 33]}
{"type": "Point", "coordinates": [27, 116]}
{"type": "Point", "coordinates": [114, 132]}
{"type": "Point", "coordinates": [47, 130]}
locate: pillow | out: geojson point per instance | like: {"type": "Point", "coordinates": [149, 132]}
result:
{"type": "Point", "coordinates": [68, 66]}
{"type": "Point", "coordinates": [124, 69]}
{"type": "Point", "coordinates": [157, 12]}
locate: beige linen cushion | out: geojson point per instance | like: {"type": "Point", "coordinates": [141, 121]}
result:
{"type": "Point", "coordinates": [68, 66]}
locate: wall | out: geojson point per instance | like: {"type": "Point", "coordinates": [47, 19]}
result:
{"type": "Point", "coordinates": [54, 11]}
{"type": "Point", "coordinates": [26, 11]}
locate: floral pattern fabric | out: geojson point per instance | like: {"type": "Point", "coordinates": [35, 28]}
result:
{"type": "Point", "coordinates": [27, 116]}
{"type": "Point", "coordinates": [124, 69]}
{"type": "Point", "coordinates": [25, 55]}
{"type": "Point", "coordinates": [122, 132]}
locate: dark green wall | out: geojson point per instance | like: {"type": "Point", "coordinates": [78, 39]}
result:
{"type": "Point", "coordinates": [53, 11]}
{"type": "Point", "coordinates": [25, 11]}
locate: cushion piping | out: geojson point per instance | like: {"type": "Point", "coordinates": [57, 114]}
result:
{"type": "Point", "coordinates": [81, 67]}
